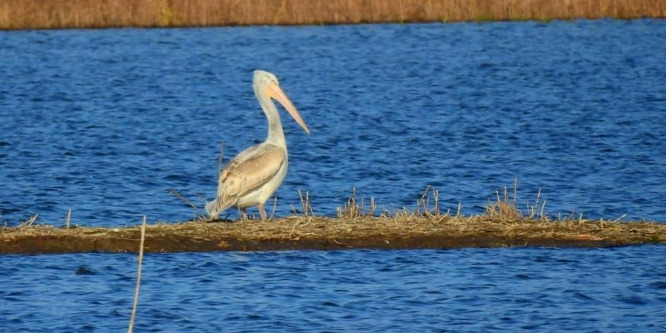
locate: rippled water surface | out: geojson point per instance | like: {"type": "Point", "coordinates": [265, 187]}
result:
{"type": "Point", "coordinates": [107, 121]}
{"type": "Point", "coordinates": [480, 290]}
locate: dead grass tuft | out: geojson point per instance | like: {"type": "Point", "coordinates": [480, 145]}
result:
{"type": "Point", "coordinates": [354, 209]}
{"type": "Point", "coordinates": [306, 205]}
{"type": "Point", "coordinates": [505, 208]}
{"type": "Point", "coordinates": [423, 205]}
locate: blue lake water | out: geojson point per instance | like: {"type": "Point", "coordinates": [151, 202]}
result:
{"type": "Point", "coordinates": [105, 122]}
{"type": "Point", "coordinates": [467, 290]}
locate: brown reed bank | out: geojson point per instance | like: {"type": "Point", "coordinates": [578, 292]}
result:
{"type": "Point", "coordinates": [359, 225]}
{"type": "Point", "coordinates": [320, 233]}
{"type": "Point", "coordinates": [59, 14]}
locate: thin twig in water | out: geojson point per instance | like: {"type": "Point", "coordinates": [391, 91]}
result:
{"type": "Point", "coordinates": [182, 198]}
{"type": "Point", "coordinates": [138, 277]}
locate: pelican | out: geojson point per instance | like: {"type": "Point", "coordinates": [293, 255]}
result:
{"type": "Point", "coordinates": [255, 174]}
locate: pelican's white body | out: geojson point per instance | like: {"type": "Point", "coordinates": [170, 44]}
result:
{"type": "Point", "coordinates": [251, 177]}
{"type": "Point", "coordinates": [262, 194]}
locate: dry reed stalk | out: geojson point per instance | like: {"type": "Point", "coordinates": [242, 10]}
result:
{"type": "Point", "coordinates": [306, 206]}
{"type": "Point", "coordinates": [424, 202]}
{"type": "Point", "coordinates": [435, 195]}
{"type": "Point", "coordinates": [50, 14]}
{"type": "Point", "coordinates": [372, 208]}
{"type": "Point", "coordinates": [69, 217]}
{"type": "Point", "coordinates": [351, 209]}
{"type": "Point", "coordinates": [186, 201]}
{"type": "Point", "coordinates": [138, 277]}
{"type": "Point", "coordinates": [619, 218]}
{"type": "Point", "coordinates": [354, 209]}
{"type": "Point", "coordinates": [274, 207]}
{"type": "Point", "coordinates": [505, 209]}
{"type": "Point", "coordinates": [534, 210]}
{"type": "Point", "coordinates": [29, 221]}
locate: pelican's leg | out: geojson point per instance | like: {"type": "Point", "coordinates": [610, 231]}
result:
{"type": "Point", "coordinates": [262, 212]}
{"type": "Point", "coordinates": [243, 214]}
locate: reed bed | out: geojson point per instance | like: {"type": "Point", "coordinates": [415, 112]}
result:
{"type": "Point", "coordinates": [323, 233]}
{"type": "Point", "coordinates": [58, 14]}
{"type": "Point", "coordinates": [357, 225]}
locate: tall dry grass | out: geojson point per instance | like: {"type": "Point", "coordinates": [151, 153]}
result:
{"type": "Point", "coordinates": [50, 14]}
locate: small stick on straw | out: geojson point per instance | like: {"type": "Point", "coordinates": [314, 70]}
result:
{"type": "Point", "coordinates": [29, 221]}
{"type": "Point", "coordinates": [274, 206]}
{"type": "Point", "coordinates": [69, 217]}
{"type": "Point", "coordinates": [138, 276]}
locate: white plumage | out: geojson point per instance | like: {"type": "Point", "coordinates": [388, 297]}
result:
{"type": "Point", "coordinates": [255, 174]}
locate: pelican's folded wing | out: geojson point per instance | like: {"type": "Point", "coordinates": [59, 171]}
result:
{"type": "Point", "coordinates": [249, 171]}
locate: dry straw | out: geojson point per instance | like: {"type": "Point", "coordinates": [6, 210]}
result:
{"type": "Point", "coordinates": [45, 14]}
{"type": "Point", "coordinates": [356, 226]}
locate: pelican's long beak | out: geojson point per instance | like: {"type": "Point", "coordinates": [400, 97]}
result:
{"type": "Point", "coordinates": [274, 91]}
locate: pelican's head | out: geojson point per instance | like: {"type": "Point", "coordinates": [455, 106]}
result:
{"type": "Point", "coordinates": [267, 84]}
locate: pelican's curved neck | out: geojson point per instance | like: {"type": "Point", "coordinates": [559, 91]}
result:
{"type": "Point", "coordinates": [275, 132]}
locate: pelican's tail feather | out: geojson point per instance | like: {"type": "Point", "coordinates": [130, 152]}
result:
{"type": "Point", "coordinates": [215, 207]}
{"type": "Point", "coordinates": [209, 206]}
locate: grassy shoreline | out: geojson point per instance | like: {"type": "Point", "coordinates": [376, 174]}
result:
{"type": "Point", "coordinates": [67, 14]}
{"type": "Point", "coordinates": [321, 233]}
